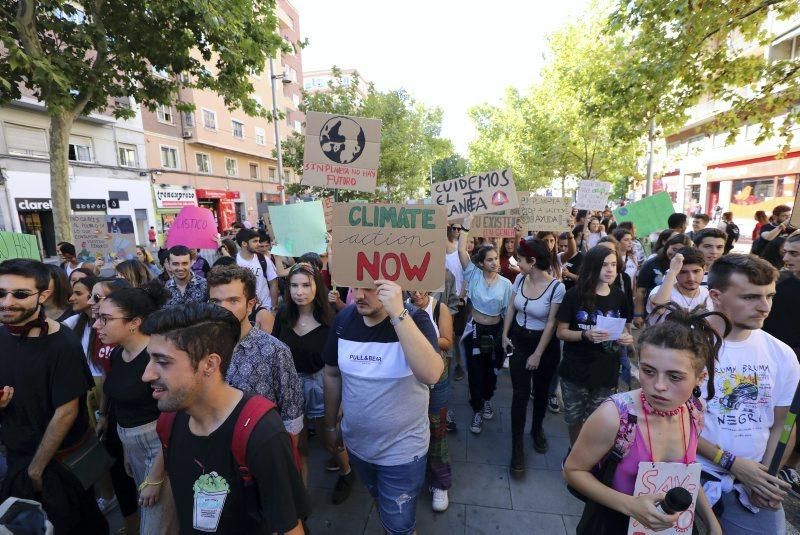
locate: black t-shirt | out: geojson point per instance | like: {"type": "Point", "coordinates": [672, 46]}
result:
{"type": "Point", "coordinates": [651, 274]}
{"type": "Point", "coordinates": [306, 349]}
{"type": "Point", "coordinates": [203, 472]}
{"type": "Point", "coordinates": [587, 363]}
{"type": "Point", "coordinates": [131, 397]}
{"type": "Point", "coordinates": [46, 372]}
{"type": "Point", "coordinates": [574, 267]}
{"type": "Point", "coordinates": [782, 322]}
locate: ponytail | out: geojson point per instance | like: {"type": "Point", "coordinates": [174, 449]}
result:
{"type": "Point", "coordinates": [689, 331]}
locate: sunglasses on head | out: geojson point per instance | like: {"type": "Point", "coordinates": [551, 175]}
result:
{"type": "Point", "coordinates": [17, 294]}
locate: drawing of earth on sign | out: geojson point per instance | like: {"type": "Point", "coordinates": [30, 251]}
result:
{"type": "Point", "coordinates": [342, 139]}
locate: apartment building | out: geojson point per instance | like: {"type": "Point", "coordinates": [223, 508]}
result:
{"type": "Point", "coordinates": [701, 171]}
{"type": "Point", "coordinates": [222, 159]}
{"type": "Point", "coordinates": [107, 171]}
{"type": "Point", "coordinates": [314, 81]}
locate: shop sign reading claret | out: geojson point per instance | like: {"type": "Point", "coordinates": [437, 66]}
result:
{"type": "Point", "coordinates": [34, 205]}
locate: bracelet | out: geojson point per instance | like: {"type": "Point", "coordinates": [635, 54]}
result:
{"type": "Point", "coordinates": [146, 484]}
{"type": "Point", "coordinates": [585, 336]}
{"type": "Point", "coordinates": [727, 460]}
{"type": "Point", "coordinates": [717, 456]}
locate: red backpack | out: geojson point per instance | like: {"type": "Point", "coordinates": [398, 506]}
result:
{"type": "Point", "coordinates": [254, 409]}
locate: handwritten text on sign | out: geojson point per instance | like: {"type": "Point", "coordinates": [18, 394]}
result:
{"type": "Point", "coordinates": [341, 152]}
{"type": "Point", "coordinates": [658, 478]}
{"type": "Point", "coordinates": [540, 213]}
{"type": "Point", "coordinates": [592, 195]}
{"type": "Point", "coordinates": [494, 226]}
{"type": "Point", "coordinates": [15, 245]}
{"type": "Point", "coordinates": [193, 227]}
{"type": "Point", "coordinates": [401, 243]}
{"type": "Point", "coordinates": [478, 194]}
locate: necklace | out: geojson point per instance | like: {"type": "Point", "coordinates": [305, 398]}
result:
{"type": "Point", "coordinates": [648, 409]}
{"type": "Point", "coordinates": [690, 301]}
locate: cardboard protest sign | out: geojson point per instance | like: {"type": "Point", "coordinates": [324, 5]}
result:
{"type": "Point", "coordinates": [795, 219]}
{"type": "Point", "coordinates": [592, 195]}
{"type": "Point", "coordinates": [648, 215]}
{"type": "Point", "coordinates": [102, 237]}
{"type": "Point", "coordinates": [299, 228]}
{"type": "Point", "coordinates": [327, 208]}
{"type": "Point", "coordinates": [477, 194]}
{"type": "Point", "coordinates": [658, 478]}
{"type": "Point", "coordinates": [540, 213]}
{"type": "Point", "coordinates": [16, 245]}
{"type": "Point", "coordinates": [401, 243]}
{"type": "Point", "coordinates": [194, 227]}
{"type": "Point", "coordinates": [494, 226]}
{"type": "Point", "coordinates": [341, 151]}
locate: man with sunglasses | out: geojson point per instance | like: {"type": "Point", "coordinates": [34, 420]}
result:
{"type": "Point", "coordinates": [42, 406]}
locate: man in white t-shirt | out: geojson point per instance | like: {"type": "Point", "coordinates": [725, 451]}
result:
{"type": "Point", "coordinates": [681, 285]}
{"type": "Point", "coordinates": [261, 266]}
{"type": "Point", "coordinates": [755, 379]}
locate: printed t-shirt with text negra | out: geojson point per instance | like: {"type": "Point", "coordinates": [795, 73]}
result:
{"type": "Point", "coordinates": [46, 372]}
{"type": "Point", "coordinates": [751, 378]}
{"type": "Point", "coordinates": [385, 406]}
{"type": "Point", "coordinates": [206, 484]}
{"type": "Point", "coordinates": [131, 398]}
{"type": "Point", "coordinates": [587, 363]}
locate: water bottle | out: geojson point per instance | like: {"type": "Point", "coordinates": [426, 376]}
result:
{"type": "Point", "coordinates": [677, 500]}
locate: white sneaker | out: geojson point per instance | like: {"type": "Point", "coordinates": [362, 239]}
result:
{"type": "Point", "coordinates": [488, 411]}
{"type": "Point", "coordinates": [440, 501]}
{"type": "Point", "coordinates": [477, 423]}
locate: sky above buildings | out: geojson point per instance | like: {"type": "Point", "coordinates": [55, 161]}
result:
{"type": "Point", "coordinates": [447, 53]}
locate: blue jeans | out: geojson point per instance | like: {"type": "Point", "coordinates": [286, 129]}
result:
{"type": "Point", "coordinates": [736, 520]}
{"type": "Point", "coordinates": [395, 489]}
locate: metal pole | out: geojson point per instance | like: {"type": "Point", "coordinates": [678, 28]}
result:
{"type": "Point", "coordinates": [277, 132]}
{"type": "Point", "coordinates": [650, 135]}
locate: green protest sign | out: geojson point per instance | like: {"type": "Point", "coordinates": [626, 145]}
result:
{"type": "Point", "coordinates": [15, 245]}
{"type": "Point", "coordinates": [648, 215]}
{"type": "Point", "coordinates": [299, 228]}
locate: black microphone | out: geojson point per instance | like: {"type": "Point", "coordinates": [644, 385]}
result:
{"type": "Point", "coordinates": [677, 500]}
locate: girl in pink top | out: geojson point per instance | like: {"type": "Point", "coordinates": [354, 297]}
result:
{"type": "Point", "coordinates": [660, 422]}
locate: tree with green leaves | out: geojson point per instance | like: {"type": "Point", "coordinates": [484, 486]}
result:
{"type": "Point", "coordinates": [454, 166]}
{"type": "Point", "coordinates": [678, 53]}
{"type": "Point", "coordinates": [545, 134]}
{"type": "Point", "coordinates": [76, 57]}
{"type": "Point", "coordinates": [410, 139]}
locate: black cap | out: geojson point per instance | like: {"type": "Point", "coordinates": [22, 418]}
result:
{"type": "Point", "coordinates": [246, 234]}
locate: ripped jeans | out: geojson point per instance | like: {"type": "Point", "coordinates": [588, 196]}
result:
{"type": "Point", "coordinates": [395, 489]}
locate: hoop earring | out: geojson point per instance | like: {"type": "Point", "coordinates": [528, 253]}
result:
{"type": "Point", "coordinates": [696, 392]}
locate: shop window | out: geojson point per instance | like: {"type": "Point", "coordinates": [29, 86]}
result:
{"type": "Point", "coordinates": [203, 162]}
{"type": "Point", "coordinates": [238, 129]}
{"type": "Point", "coordinates": [127, 156]}
{"type": "Point", "coordinates": [787, 185]}
{"type": "Point", "coordinates": [169, 157]}
{"type": "Point", "coordinates": [254, 171]}
{"type": "Point", "coordinates": [231, 167]}
{"type": "Point", "coordinates": [752, 191]}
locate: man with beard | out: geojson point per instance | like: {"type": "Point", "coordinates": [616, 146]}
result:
{"type": "Point", "coordinates": [380, 359]}
{"type": "Point", "coordinates": [184, 286]}
{"type": "Point", "coordinates": [190, 350]}
{"type": "Point", "coordinates": [260, 362]}
{"type": "Point", "coordinates": [43, 413]}
{"type": "Point", "coordinates": [260, 265]}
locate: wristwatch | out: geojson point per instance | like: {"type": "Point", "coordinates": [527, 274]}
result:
{"type": "Point", "coordinates": [399, 318]}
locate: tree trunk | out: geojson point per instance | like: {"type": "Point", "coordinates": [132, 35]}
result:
{"type": "Point", "coordinates": [60, 126]}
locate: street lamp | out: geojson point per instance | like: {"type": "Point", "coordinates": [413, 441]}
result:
{"type": "Point", "coordinates": [285, 80]}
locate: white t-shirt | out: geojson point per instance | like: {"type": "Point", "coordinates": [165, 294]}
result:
{"type": "Point", "coordinates": [71, 322]}
{"type": "Point", "coordinates": [262, 284]}
{"type": "Point", "coordinates": [751, 378]}
{"type": "Point", "coordinates": [453, 264]}
{"type": "Point", "coordinates": [701, 300]}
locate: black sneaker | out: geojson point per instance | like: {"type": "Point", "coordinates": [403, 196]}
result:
{"type": "Point", "coordinates": [540, 442]}
{"type": "Point", "coordinates": [791, 476]}
{"type": "Point", "coordinates": [552, 405]}
{"type": "Point", "coordinates": [459, 374]}
{"type": "Point", "coordinates": [450, 423]}
{"type": "Point", "coordinates": [343, 487]}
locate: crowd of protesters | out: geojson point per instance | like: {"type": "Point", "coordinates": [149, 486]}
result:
{"type": "Point", "coordinates": [185, 375]}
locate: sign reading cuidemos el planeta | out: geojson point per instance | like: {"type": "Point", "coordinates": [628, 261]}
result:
{"type": "Point", "coordinates": [485, 193]}
{"type": "Point", "coordinates": [341, 152]}
{"type": "Point", "coordinates": [404, 243]}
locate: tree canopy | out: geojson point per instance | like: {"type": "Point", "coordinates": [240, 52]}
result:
{"type": "Point", "coordinates": [410, 138]}
{"type": "Point", "coordinates": [76, 57]}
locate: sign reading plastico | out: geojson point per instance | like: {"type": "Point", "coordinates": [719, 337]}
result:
{"type": "Point", "coordinates": [592, 195]}
{"type": "Point", "coordinates": [341, 152]}
{"type": "Point", "coordinates": [401, 243]}
{"type": "Point", "coordinates": [540, 213]}
{"type": "Point", "coordinates": [477, 194]}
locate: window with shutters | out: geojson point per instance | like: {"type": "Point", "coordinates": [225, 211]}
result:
{"type": "Point", "coordinates": [26, 141]}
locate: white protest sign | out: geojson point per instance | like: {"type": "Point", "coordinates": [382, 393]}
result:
{"type": "Point", "coordinates": [592, 195]}
{"type": "Point", "coordinates": [658, 478]}
{"type": "Point", "coordinates": [486, 193]}
{"type": "Point", "coordinates": [540, 213]}
{"type": "Point", "coordinates": [341, 152]}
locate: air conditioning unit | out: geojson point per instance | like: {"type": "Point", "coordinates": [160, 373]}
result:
{"type": "Point", "coordinates": [187, 134]}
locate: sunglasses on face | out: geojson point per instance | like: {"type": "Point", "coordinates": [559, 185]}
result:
{"type": "Point", "coordinates": [17, 294]}
{"type": "Point", "coordinates": [456, 229]}
{"type": "Point", "coordinates": [96, 298]}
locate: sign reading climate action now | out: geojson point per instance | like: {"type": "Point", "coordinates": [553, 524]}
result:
{"type": "Point", "coordinates": [341, 152]}
{"type": "Point", "coordinates": [477, 194]}
{"type": "Point", "coordinates": [401, 243]}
